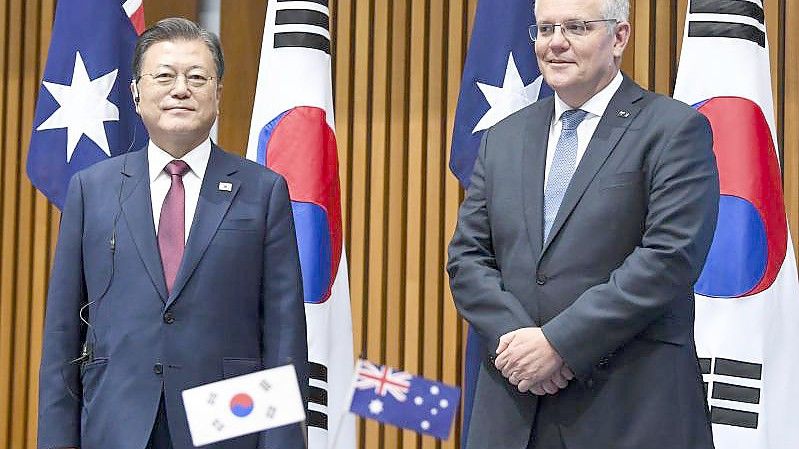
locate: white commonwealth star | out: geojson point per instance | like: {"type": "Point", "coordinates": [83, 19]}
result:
{"type": "Point", "coordinates": [376, 406]}
{"type": "Point", "coordinates": [508, 98]}
{"type": "Point", "coordinates": [83, 107]}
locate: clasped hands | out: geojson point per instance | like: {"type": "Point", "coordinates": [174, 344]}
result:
{"type": "Point", "coordinates": [529, 362]}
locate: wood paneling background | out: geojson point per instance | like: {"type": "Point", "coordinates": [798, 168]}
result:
{"type": "Point", "coordinates": [397, 72]}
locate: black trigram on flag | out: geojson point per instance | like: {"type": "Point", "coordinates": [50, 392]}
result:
{"type": "Point", "coordinates": [735, 9]}
{"type": "Point", "coordinates": [732, 381]}
{"type": "Point", "coordinates": [317, 395]}
{"type": "Point", "coordinates": [301, 24]}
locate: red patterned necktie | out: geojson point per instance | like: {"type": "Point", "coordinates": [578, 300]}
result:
{"type": "Point", "coordinates": [172, 224]}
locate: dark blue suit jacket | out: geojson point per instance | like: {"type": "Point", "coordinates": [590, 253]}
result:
{"type": "Point", "coordinates": [236, 306]}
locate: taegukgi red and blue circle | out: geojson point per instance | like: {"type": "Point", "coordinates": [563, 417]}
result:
{"type": "Point", "coordinates": [751, 236]}
{"type": "Point", "coordinates": [241, 405]}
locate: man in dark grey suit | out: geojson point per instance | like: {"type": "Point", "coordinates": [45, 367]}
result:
{"type": "Point", "coordinates": [176, 266]}
{"type": "Point", "coordinates": [587, 222]}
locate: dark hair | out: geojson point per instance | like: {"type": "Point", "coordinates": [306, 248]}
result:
{"type": "Point", "coordinates": [178, 28]}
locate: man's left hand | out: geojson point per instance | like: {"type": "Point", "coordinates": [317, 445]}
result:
{"type": "Point", "coordinates": [525, 355]}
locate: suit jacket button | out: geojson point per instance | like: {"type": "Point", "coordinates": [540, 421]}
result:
{"type": "Point", "coordinates": [541, 279]}
{"type": "Point", "coordinates": [169, 318]}
{"type": "Point", "coordinates": [158, 368]}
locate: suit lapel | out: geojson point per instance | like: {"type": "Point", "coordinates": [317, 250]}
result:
{"type": "Point", "coordinates": [137, 207]}
{"type": "Point", "coordinates": [212, 205]}
{"type": "Point", "coordinates": [621, 111]}
{"type": "Point", "coordinates": [536, 137]}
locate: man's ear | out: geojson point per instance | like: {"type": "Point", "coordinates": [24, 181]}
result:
{"type": "Point", "coordinates": [218, 97]}
{"type": "Point", "coordinates": [621, 36]}
{"type": "Point", "coordinates": [134, 91]}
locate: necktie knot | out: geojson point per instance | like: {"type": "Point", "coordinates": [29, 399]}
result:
{"type": "Point", "coordinates": [177, 167]}
{"type": "Point", "coordinates": [572, 118]}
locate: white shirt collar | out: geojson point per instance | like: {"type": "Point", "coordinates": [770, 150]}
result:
{"type": "Point", "coordinates": [197, 159]}
{"type": "Point", "coordinates": [596, 105]}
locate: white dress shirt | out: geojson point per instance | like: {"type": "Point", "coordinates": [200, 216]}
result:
{"type": "Point", "coordinates": [595, 107]}
{"type": "Point", "coordinates": [160, 181]}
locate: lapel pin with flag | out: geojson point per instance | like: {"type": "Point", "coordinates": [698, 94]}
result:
{"type": "Point", "coordinates": [404, 400]}
{"type": "Point", "coordinates": [245, 404]}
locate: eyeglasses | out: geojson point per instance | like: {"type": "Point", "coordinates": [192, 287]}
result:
{"type": "Point", "coordinates": [570, 28]}
{"type": "Point", "coordinates": [168, 79]}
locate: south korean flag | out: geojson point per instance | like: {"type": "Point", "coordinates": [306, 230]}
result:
{"type": "Point", "coordinates": [245, 404]}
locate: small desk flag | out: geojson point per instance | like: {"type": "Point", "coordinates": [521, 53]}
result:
{"type": "Point", "coordinates": [245, 404]}
{"type": "Point", "coordinates": [404, 400]}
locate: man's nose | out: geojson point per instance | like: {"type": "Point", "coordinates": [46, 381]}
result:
{"type": "Point", "coordinates": [558, 39]}
{"type": "Point", "coordinates": [181, 87]}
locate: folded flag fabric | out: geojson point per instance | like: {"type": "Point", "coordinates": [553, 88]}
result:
{"type": "Point", "coordinates": [245, 404]}
{"type": "Point", "coordinates": [404, 400]}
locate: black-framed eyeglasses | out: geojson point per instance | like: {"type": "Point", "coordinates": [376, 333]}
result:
{"type": "Point", "coordinates": [168, 79]}
{"type": "Point", "coordinates": [569, 28]}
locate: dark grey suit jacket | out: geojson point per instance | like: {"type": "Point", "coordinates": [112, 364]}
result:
{"type": "Point", "coordinates": [611, 288]}
{"type": "Point", "coordinates": [236, 305]}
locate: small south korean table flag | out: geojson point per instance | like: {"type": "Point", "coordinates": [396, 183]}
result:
{"type": "Point", "coordinates": [245, 404]}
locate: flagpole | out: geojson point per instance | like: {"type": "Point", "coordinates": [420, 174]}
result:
{"type": "Point", "coordinates": [348, 401]}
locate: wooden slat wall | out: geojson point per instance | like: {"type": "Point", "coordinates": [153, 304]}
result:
{"type": "Point", "coordinates": [27, 221]}
{"type": "Point", "coordinates": [397, 72]}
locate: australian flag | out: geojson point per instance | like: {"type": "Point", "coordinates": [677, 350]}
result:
{"type": "Point", "coordinates": [85, 112]}
{"type": "Point", "coordinates": [404, 400]}
{"type": "Point", "coordinates": [500, 77]}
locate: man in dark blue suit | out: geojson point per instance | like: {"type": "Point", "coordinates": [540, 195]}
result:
{"type": "Point", "coordinates": [176, 266]}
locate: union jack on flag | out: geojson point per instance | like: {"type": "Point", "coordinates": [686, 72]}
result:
{"type": "Point", "coordinates": [383, 380]}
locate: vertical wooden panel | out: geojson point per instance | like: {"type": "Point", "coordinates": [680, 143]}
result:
{"type": "Point", "coordinates": [5, 299]}
{"type": "Point", "coordinates": [43, 219]}
{"type": "Point", "coordinates": [790, 145]}
{"type": "Point", "coordinates": [241, 31]}
{"type": "Point", "coordinates": [377, 149]}
{"type": "Point", "coordinates": [415, 238]}
{"type": "Point", "coordinates": [397, 173]}
{"type": "Point", "coordinates": [435, 151]}
{"type": "Point", "coordinates": [10, 214]}
{"type": "Point", "coordinates": [663, 44]}
{"type": "Point", "coordinates": [24, 244]}
{"type": "Point", "coordinates": [451, 326]}
{"type": "Point", "coordinates": [641, 16]}
{"type": "Point", "coordinates": [155, 10]}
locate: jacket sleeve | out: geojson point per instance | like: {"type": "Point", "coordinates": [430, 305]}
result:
{"type": "Point", "coordinates": [679, 226]}
{"type": "Point", "coordinates": [59, 374]}
{"type": "Point", "coordinates": [475, 279]}
{"type": "Point", "coordinates": [284, 330]}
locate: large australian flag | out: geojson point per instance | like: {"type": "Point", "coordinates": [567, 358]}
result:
{"type": "Point", "coordinates": [84, 112]}
{"type": "Point", "coordinates": [500, 77]}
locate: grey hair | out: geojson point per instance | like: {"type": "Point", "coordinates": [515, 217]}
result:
{"type": "Point", "coordinates": [178, 28]}
{"type": "Point", "coordinates": [616, 9]}
{"type": "Point", "coordinates": [611, 9]}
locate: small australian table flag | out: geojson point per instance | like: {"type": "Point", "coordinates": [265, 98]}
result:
{"type": "Point", "coordinates": [404, 400]}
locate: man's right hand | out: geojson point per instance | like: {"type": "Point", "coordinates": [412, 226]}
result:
{"type": "Point", "coordinates": [557, 382]}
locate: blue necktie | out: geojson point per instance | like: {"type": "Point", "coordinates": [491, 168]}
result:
{"type": "Point", "coordinates": [563, 166]}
